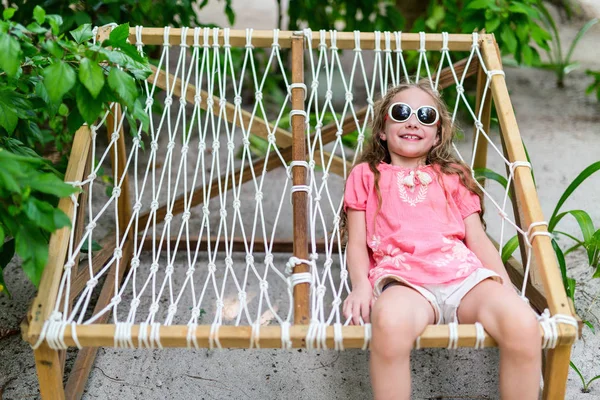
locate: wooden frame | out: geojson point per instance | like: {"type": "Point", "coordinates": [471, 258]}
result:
{"type": "Point", "coordinates": [48, 361]}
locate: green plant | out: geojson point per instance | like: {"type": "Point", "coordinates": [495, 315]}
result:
{"type": "Point", "coordinates": [594, 86]}
{"type": "Point", "coordinates": [558, 62]}
{"type": "Point", "coordinates": [156, 13]}
{"type": "Point", "coordinates": [50, 84]}
{"type": "Point", "coordinates": [590, 240]}
{"type": "Point", "coordinates": [586, 385]}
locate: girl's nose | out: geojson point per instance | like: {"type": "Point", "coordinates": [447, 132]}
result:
{"type": "Point", "coordinates": [412, 121]}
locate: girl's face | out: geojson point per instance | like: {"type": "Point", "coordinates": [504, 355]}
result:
{"type": "Point", "coordinates": [409, 142]}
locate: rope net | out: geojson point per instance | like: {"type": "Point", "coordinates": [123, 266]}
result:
{"type": "Point", "coordinates": [210, 187]}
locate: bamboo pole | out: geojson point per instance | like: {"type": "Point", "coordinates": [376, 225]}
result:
{"type": "Point", "coordinates": [485, 105]}
{"type": "Point", "coordinates": [526, 195]}
{"type": "Point", "coordinates": [299, 198]}
{"type": "Point", "coordinates": [45, 300]}
{"type": "Point", "coordinates": [175, 336]}
{"type": "Point", "coordinates": [344, 40]}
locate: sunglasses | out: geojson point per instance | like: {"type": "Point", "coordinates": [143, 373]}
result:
{"type": "Point", "coordinates": [401, 112]}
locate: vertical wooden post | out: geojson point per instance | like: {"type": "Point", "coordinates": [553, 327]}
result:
{"type": "Point", "coordinates": [481, 148]}
{"type": "Point", "coordinates": [118, 156]}
{"type": "Point", "coordinates": [299, 199]}
{"type": "Point", "coordinates": [50, 373]}
{"type": "Point", "coordinates": [556, 372]}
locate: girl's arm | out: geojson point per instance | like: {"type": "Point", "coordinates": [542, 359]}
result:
{"type": "Point", "coordinates": [358, 303]}
{"type": "Point", "coordinates": [479, 243]}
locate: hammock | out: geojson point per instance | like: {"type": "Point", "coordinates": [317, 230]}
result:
{"type": "Point", "coordinates": [220, 227]}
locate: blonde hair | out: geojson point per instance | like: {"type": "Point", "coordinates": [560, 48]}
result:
{"type": "Point", "coordinates": [441, 154]}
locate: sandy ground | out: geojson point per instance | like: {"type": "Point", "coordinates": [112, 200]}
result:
{"type": "Point", "coordinates": [561, 129]}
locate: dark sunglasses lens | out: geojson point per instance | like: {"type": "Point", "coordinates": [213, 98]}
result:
{"type": "Point", "coordinates": [400, 112]}
{"type": "Point", "coordinates": [427, 115]}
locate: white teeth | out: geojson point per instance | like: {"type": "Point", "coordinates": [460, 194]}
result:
{"type": "Point", "coordinates": [410, 137]}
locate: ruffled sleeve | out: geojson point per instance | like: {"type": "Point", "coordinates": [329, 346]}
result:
{"type": "Point", "coordinates": [468, 202]}
{"type": "Point", "coordinates": [357, 188]}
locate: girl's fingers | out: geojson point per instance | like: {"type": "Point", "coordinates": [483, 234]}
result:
{"type": "Point", "coordinates": [366, 311]}
{"type": "Point", "coordinates": [356, 313]}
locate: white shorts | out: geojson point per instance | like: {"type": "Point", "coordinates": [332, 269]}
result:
{"type": "Point", "coordinates": [444, 298]}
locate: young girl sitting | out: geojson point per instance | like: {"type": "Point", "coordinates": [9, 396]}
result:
{"type": "Point", "coordinates": [417, 251]}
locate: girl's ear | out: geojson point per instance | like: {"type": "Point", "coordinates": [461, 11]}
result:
{"type": "Point", "coordinates": [382, 135]}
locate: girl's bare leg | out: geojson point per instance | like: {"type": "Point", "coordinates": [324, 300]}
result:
{"type": "Point", "coordinates": [398, 317]}
{"type": "Point", "coordinates": [512, 323]}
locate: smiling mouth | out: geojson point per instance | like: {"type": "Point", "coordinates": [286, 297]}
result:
{"type": "Point", "coordinates": [410, 137]}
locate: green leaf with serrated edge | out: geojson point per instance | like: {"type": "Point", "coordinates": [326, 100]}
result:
{"type": "Point", "coordinates": [51, 184]}
{"type": "Point", "coordinates": [39, 14]}
{"type": "Point", "coordinates": [91, 76]}
{"type": "Point", "coordinates": [89, 108]}
{"type": "Point", "coordinates": [55, 22]}
{"type": "Point", "coordinates": [119, 35]}
{"type": "Point", "coordinates": [509, 248]}
{"type": "Point", "coordinates": [123, 85]}
{"type": "Point", "coordinates": [82, 34]}
{"type": "Point", "coordinates": [591, 169]}
{"type": "Point", "coordinates": [11, 54]}
{"type": "Point", "coordinates": [8, 13]}
{"type": "Point", "coordinates": [32, 247]}
{"type": "Point", "coordinates": [40, 213]}
{"type": "Point", "coordinates": [59, 78]}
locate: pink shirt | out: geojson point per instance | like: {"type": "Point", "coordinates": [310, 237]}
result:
{"type": "Point", "coordinates": [418, 234]}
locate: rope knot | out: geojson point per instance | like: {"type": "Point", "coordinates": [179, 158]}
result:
{"type": "Point", "coordinates": [201, 146]}
{"type": "Point", "coordinates": [264, 285]}
{"type": "Point", "coordinates": [190, 272]}
{"type": "Point", "coordinates": [185, 149]}
{"type": "Point", "coordinates": [271, 138]}
{"type": "Point", "coordinates": [222, 102]}
{"type": "Point", "coordinates": [171, 145]}
{"type": "Point", "coordinates": [182, 102]}
{"type": "Point", "coordinates": [118, 253]}
{"type": "Point", "coordinates": [135, 262]}
{"type": "Point", "coordinates": [91, 283]}
{"type": "Point", "coordinates": [269, 259]}
{"type": "Point", "coordinates": [478, 125]}
{"type": "Point", "coordinates": [116, 299]}
{"type": "Point", "coordinates": [90, 226]}
{"type": "Point", "coordinates": [216, 145]}
{"type": "Point", "coordinates": [370, 102]}
{"type": "Point", "coordinates": [321, 289]}
{"type": "Point", "coordinates": [258, 96]}
{"type": "Point", "coordinates": [154, 267]}
{"type": "Point", "coordinates": [154, 308]}
{"type": "Point", "coordinates": [349, 96]}
{"type": "Point", "coordinates": [172, 309]}
{"type": "Point", "coordinates": [212, 267]}
{"type": "Point", "coordinates": [205, 210]}
{"type": "Point", "coordinates": [116, 191]}
{"type": "Point", "coordinates": [92, 176]}
{"type": "Point", "coordinates": [210, 102]}
{"type": "Point", "coordinates": [196, 312]}
{"type": "Point", "coordinates": [115, 136]}
{"type": "Point", "coordinates": [230, 145]}
{"type": "Point", "coordinates": [249, 259]}
{"type": "Point", "coordinates": [185, 217]}
{"type": "Point", "coordinates": [328, 95]}
{"type": "Point", "coordinates": [220, 304]}
{"type": "Point", "coordinates": [135, 303]}
{"type": "Point", "coordinates": [339, 133]}
{"type": "Point", "coordinates": [336, 302]}
{"type": "Point", "coordinates": [149, 102]}
{"type": "Point", "coordinates": [344, 274]}
{"type": "Point", "coordinates": [169, 270]}
{"type": "Point", "coordinates": [236, 204]}
{"type": "Point", "coordinates": [228, 261]}
{"type": "Point", "coordinates": [237, 100]}
{"type": "Point", "coordinates": [168, 217]}
{"type": "Point", "coordinates": [69, 265]}
{"type": "Point", "coordinates": [258, 196]}
{"type": "Point", "coordinates": [328, 263]}
{"type": "Point", "coordinates": [315, 84]}
{"type": "Point", "coordinates": [154, 205]}
{"type": "Point", "coordinates": [197, 99]}
{"type": "Point", "coordinates": [246, 142]}
{"type": "Point", "coordinates": [242, 297]}
{"type": "Point", "coordinates": [223, 213]}
{"type": "Point", "coordinates": [460, 89]}
{"type": "Point", "coordinates": [154, 145]}
{"type": "Point", "coordinates": [168, 101]}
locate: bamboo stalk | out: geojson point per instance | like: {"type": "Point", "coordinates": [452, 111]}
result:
{"type": "Point", "coordinates": [299, 198]}
{"type": "Point", "coordinates": [344, 40]}
{"type": "Point", "coordinates": [526, 194]}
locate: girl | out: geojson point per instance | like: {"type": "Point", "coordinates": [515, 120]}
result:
{"type": "Point", "coordinates": [417, 251]}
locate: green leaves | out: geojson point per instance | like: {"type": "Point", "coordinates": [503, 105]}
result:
{"type": "Point", "coordinates": [82, 34]}
{"type": "Point", "coordinates": [59, 78]}
{"type": "Point", "coordinates": [8, 13]}
{"type": "Point", "coordinates": [123, 85]}
{"type": "Point", "coordinates": [11, 54]}
{"type": "Point", "coordinates": [39, 14]}
{"type": "Point", "coordinates": [91, 76]}
{"type": "Point", "coordinates": [119, 35]}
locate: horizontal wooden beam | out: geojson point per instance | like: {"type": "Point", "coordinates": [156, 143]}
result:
{"type": "Point", "coordinates": [344, 40]}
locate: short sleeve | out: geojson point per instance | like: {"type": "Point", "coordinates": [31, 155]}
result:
{"type": "Point", "coordinates": [357, 189]}
{"type": "Point", "coordinates": [468, 202]}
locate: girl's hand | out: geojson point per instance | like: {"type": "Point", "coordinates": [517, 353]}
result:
{"type": "Point", "coordinates": [358, 303]}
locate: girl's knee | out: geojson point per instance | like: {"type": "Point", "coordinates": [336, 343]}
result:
{"type": "Point", "coordinates": [521, 334]}
{"type": "Point", "coordinates": [394, 332]}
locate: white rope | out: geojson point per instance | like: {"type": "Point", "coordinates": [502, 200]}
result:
{"type": "Point", "coordinates": [480, 336]}
{"type": "Point", "coordinates": [452, 335]}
